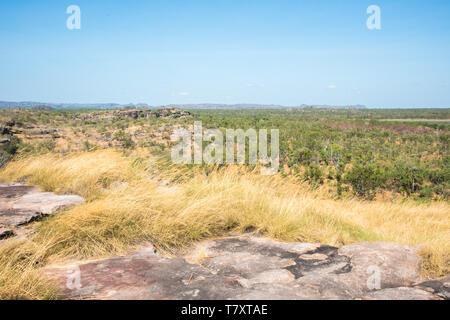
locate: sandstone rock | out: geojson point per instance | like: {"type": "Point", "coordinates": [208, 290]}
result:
{"type": "Point", "coordinates": [315, 256]}
{"type": "Point", "coordinates": [13, 217]}
{"type": "Point", "coordinates": [21, 204]}
{"type": "Point", "coordinates": [247, 267]}
{"type": "Point", "coordinates": [141, 275]}
{"type": "Point", "coordinates": [14, 190]}
{"type": "Point", "coordinates": [401, 293]}
{"type": "Point", "coordinates": [397, 265]}
{"type": "Point", "coordinates": [5, 233]}
{"type": "Point", "coordinates": [46, 202]}
{"type": "Point", "coordinates": [280, 276]}
{"type": "Point", "coordinates": [440, 287]}
{"type": "Point", "coordinates": [132, 113]}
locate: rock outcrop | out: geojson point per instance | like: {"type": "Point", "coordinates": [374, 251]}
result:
{"type": "Point", "coordinates": [5, 233]}
{"type": "Point", "coordinates": [247, 267]}
{"type": "Point", "coordinates": [440, 288]}
{"type": "Point", "coordinates": [241, 267]}
{"type": "Point", "coordinates": [20, 205]}
{"type": "Point", "coordinates": [170, 113]}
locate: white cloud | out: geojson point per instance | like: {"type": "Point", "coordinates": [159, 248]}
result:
{"type": "Point", "coordinates": [183, 93]}
{"type": "Point", "coordinates": [332, 86]}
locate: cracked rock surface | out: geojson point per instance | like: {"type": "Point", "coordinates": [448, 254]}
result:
{"type": "Point", "coordinates": [20, 205]}
{"type": "Point", "coordinates": [248, 267]}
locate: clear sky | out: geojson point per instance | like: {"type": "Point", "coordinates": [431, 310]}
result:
{"type": "Point", "coordinates": [225, 51]}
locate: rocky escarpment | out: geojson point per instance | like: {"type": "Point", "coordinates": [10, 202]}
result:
{"type": "Point", "coordinates": [20, 205]}
{"type": "Point", "coordinates": [247, 267]}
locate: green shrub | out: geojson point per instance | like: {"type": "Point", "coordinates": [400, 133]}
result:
{"type": "Point", "coordinates": [365, 180]}
{"type": "Point", "coordinates": [124, 139]}
{"type": "Point", "coordinates": [313, 174]}
{"type": "Point", "coordinates": [8, 149]}
{"type": "Point", "coordinates": [407, 177]}
{"type": "Point", "coordinates": [304, 155]}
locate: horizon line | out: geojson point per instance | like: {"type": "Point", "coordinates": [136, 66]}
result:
{"type": "Point", "coordinates": [303, 105]}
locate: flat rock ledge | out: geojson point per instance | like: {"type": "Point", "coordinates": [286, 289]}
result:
{"type": "Point", "coordinates": [20, 205]}
{"type": "Point", "coordinates": [247, 267]}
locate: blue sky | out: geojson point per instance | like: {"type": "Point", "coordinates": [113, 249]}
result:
{"type": "Point", "coordinates": [269, 52]}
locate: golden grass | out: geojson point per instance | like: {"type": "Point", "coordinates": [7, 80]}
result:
{"type": "Point", "coordinates": [229, 200]}
{"type": "Point", "coordinates": [85, 174]}
{"type": "Point", "coordinates": [20, 277]}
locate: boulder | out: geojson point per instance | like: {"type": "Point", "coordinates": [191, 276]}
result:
{"type": "Point", "coordinates": [248, 267]}
{"type": "Point", "coordinates": [46, 203]}
{"type": "Point", "coordinates": [20, 204]}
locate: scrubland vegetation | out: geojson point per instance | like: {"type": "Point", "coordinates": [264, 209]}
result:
{"type": "Point", "coordinates": [352, 152]}
{"type": "Point", "coordinates": [346, 177]}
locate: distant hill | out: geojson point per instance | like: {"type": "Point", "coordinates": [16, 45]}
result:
{"type": "Point", "coordinates": [43, 108]}
{"type": "Point", "coordinates": [63, 106]}
{"type": "Point", "coordinates": [259, 106]}
{"type": "Point", "coordinates": [32, 104]}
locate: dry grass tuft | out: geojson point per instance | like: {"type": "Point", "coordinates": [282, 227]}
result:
{"type": "Point", "coordinates": [229, 200]}
{"type": "Point", "coordinates": [85, 174]}
{"type": "Point", "coordinates": [20, 277]}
